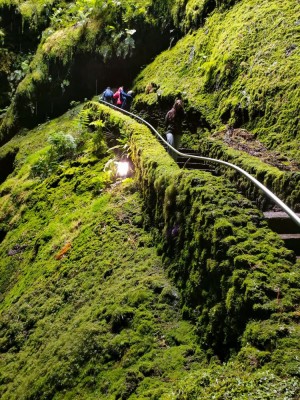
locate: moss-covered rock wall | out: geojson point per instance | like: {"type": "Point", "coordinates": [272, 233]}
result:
{"type": "Point", "coordinates": [86, 309]}
{"type": "Point", "coordinates": [240, 67]}
{"type": "Point", "coordinates": [234, 275]}
{"type": "Point", "coordinates": [285, 184]}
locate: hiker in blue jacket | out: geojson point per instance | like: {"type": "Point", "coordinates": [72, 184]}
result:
{"type": "Point", "coordinates": [126, 99]}
{"type": "Point", "coordinates": [107, 95]}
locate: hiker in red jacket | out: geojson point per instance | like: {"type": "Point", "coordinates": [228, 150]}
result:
{"type": "Point", "coordinates": [122, 98]}
{"type": "Point", "coordinates": [118, 97]}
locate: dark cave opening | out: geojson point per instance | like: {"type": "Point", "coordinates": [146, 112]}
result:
{"type": "Point", "coordinates": [88, 76]}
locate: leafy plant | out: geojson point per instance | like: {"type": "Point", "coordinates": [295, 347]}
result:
{"type": "Point", "coordinates": [65, 83]}
{"type": "Point", "coordinates": [41, 168]}
{"type": "Point", "coordinates": [62, 146]}
{"type": "Point", "coordinates": [84, 117]}
{"type": "Point", "coordinates": [21, 68]}
{"type": "Point", "coordinates": [99, 143]}
{"type": "Point", "coordinates": [2, 36]}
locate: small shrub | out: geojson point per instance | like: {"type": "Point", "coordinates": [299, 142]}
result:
{"type": "Point", "coordinates": [62, 146]}
{"type": "Point", "coordinates": [41, 168]}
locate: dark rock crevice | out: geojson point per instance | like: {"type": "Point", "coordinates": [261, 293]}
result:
{"type": "Point", "coordinates": [3, 233]}
{"type": "Point", "coordinates": [7, 164]}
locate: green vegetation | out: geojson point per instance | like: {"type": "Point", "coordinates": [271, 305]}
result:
{"type": "Point", "coordinates": [240, 68]}
{"type": "Point", "coordinates": [91, 321]}
{"type": "Point", "coordinates": [87, 310]}
{"type": "Point", "coordinates": [285, 184]}
{"type": "Point", "coordinates": [167, 285]}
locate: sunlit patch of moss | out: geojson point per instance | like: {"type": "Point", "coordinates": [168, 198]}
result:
{"type": "Point", "coordinates": [31, 10]}
{"type": "Point", "coordinates": [62, 42]}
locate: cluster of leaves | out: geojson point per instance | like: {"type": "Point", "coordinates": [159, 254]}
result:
{"type": "Point", "coordinates": [90, 136]}
{"type": "Point", "coordinates": [107, 22]}
{"type": "Point", "coordinates": [62, 147]}
{"type": "Point", "coordinates": [2, 35]}
{"type": "Point", "coordinates": [100, 145]}
{"type": "Point", "coordinates": [222, 382]}
{"type": "Point", "coordinates": [19, 69]}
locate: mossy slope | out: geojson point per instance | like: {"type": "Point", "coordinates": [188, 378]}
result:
{"type": "Point", "coordinates": [87, 311]}
{"type": "Point", "coordinates": [222, 256]}
{"type": "Point", "coordinates": [239, 68]}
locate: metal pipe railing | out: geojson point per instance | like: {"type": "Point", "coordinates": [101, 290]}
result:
{"type": "Point", "coordinates": [258, 184]}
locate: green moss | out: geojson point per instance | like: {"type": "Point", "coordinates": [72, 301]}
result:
{"type": "Point", "coordinates": [283, 183]}
{"type": "Point", "coordinates": [246, 84]}
{"type": "Point", "coordinates": [86, 306]}
{"type": "Point", "coordinates": [226, 273]}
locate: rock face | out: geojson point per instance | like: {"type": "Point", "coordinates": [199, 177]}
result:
{"type": "Point", "coordinates": [7, 164]}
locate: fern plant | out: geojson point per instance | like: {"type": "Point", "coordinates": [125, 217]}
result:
{"type": "Point", "coordinates": [84, 118]}
{"type": "Point", "coordinates": [99, 142]}
{"type": "Point", "coordinates": [62, 147]}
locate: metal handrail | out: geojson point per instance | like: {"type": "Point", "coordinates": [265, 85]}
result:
{"type": "Point", "coordinates": [258, 184]}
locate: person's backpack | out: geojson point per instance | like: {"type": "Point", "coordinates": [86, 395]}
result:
{"type": "Point", "coordinates": [108, 94]}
